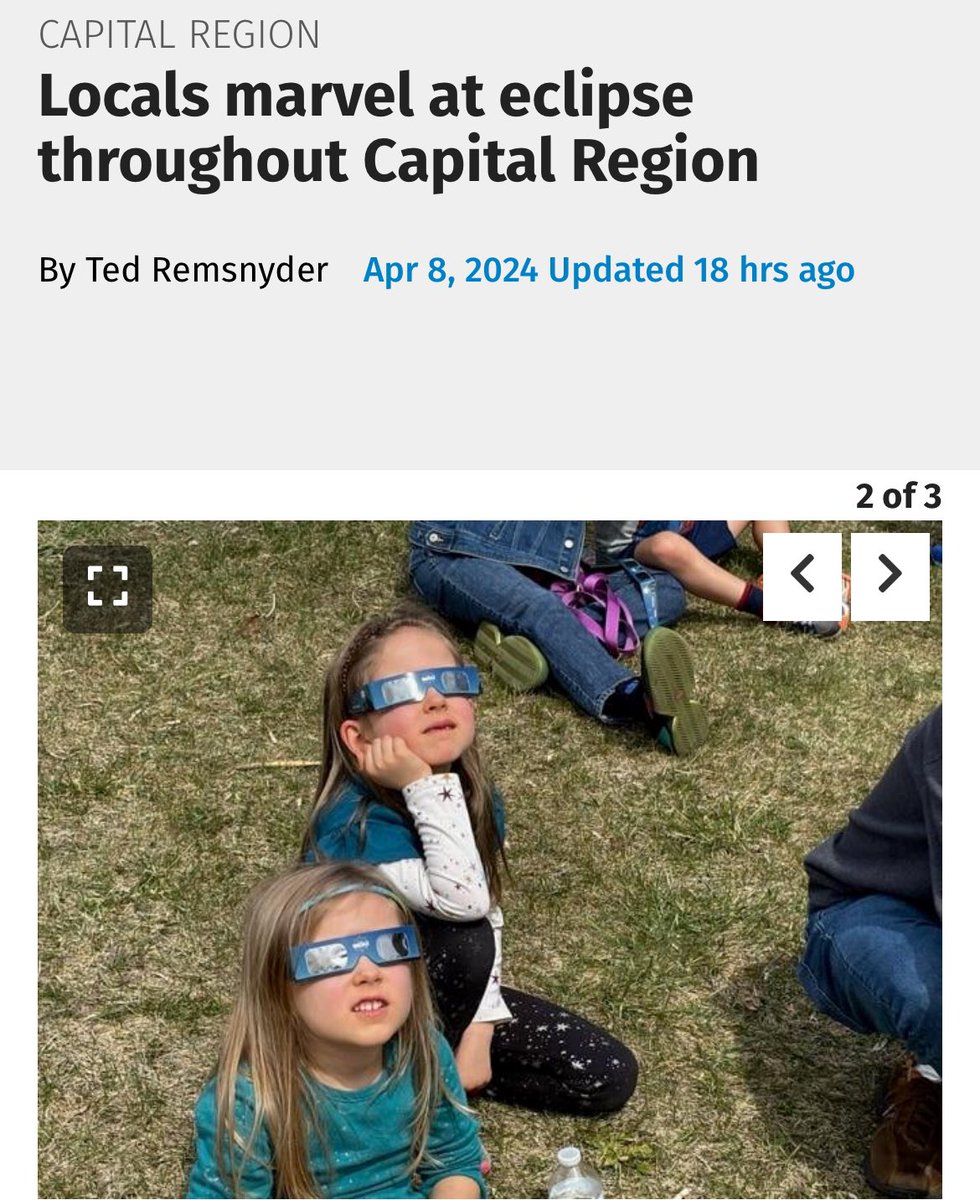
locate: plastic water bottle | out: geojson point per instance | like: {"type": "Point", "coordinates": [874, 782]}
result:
{"type": "Point", "coordinates": [574, 1178]}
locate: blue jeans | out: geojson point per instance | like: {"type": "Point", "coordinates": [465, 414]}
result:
{"type": "Point", "coordinates": [875, 965]}
{"type": "Point", "coordinates": [470, 590]}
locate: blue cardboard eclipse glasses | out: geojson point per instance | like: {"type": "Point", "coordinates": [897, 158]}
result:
{"type": "Point", "coordinates": [339, 956]}
{"type": "Point", "coordinates": [393, 690]}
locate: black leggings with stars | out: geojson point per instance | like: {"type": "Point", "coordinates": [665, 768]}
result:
{"type": "Point", "coordinates": [546, 1057]}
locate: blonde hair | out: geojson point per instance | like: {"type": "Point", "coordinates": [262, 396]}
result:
{"type": "Point", "coordinates": [350, 669]}
{"type": "Point", "coordinates": [264, 1037]}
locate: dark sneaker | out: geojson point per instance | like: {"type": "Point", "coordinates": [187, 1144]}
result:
{"type": "Point", "coordinates": [512, 659]}
{"type": "Point", "coordinates": [906, 1154]}
{"type": "Point", "coordinates": [668, 683]}
{"type": "Point", "coordinates": [820, 629]}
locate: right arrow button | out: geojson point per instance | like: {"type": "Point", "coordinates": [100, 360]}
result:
{"type": "Point", "coordinates": [882, 591]}
{"type": "Point", "coordinates": [894, 572]}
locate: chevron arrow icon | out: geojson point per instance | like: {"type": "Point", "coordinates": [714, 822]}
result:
{"type": "Point", "coordinates": [895, 572]}
{"type": "Point", "coordinates": [797, 572]}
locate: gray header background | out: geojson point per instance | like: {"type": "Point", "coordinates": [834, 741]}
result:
{"type": "Point", "coordinates": [859, 117]}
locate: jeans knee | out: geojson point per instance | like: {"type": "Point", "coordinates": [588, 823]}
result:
{"type": "Point", "coordinates": [531, 603]}
{"type": "Point", "coordinates": [874, 964]}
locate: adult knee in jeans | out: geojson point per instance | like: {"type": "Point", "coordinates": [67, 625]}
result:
{"type": "Point", "coordinates": [874, 965]}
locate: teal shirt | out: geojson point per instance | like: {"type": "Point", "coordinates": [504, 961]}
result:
{"type": "Point", "coordinates": [355, 826]}
{"type": "Point", "coordinates": [369, 1135]}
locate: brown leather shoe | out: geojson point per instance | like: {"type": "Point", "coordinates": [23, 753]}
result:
{"type": "Point", "coordinates": [906, 1154]}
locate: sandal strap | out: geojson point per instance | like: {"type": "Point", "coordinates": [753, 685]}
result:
{"type": "Point", "coordinates": [617, 632]}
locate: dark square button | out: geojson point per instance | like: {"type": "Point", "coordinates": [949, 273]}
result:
{"type": "Point", "coordinates": [107, 589]}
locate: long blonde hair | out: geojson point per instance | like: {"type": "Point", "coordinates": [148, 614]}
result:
{"type": "Point", "coordinates": [264, 1036]}
{"type": "Point", "coordinates": [350, 669]}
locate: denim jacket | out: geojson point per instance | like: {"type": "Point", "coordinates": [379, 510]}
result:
{"type": "Point", "coordinates": [554, 547]}
{"type": "Point", "coordinates": [551, 546]}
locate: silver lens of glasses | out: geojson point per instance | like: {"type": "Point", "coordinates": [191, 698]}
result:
{"type": "Point", "coordinates": [454, 682]}
{"type": "Point", "coordinates": [324, 960]}
{"type": "Point", "coordinates": [398, 690]}
{"type": "Point", "coordinates": [390, 947]}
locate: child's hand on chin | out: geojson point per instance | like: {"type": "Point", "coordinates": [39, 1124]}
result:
{"type": "Point", "coordinates": [389, 762]}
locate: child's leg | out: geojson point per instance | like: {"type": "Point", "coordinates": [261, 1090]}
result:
{"type": "Point", "coordinates": [674, 553]}
{"type": "Point", "coordinates": [471, 590]}
{"type": "Point", "coordinates": [548, 1058]}
{"type": "Point", "coordinates": [760, 528]}
{"type": "Point", "coordinates": [459, 956]}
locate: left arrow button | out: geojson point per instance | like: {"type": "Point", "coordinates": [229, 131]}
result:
{"type": "Point", "coordinates": [797, 572]}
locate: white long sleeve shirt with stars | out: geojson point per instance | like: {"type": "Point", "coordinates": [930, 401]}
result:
{"type": "Point", "coordinates": [449, 882]}
{"type": "Point", "coordinates": [433, 861]}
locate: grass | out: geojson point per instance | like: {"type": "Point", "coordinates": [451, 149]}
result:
{"type": "Point", "coordinates": [663, 898]}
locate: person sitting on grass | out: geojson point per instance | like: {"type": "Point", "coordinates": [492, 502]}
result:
{"type": "Point", "coordinates": [691, 550]}
{"type": "Point", "coordinates": [873, 956]}
{"type": "Point", "coordinates": [333, 1080]}
{"type": "Point", "coordinates": [402, 787]}
{"type": "Point", "coordinates": [494, 578]}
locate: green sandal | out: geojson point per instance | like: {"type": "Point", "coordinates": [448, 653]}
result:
{"type": "Point", "coordinates": [512, 659]}
{"type": "Point", "coordinates": [668, 682]}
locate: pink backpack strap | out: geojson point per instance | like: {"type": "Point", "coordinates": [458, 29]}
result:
{"type": "Point", "coordinates": [617, 632]}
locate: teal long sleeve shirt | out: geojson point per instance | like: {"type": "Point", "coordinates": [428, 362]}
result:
{"type": "Point", "coordinates": [369, 1136]}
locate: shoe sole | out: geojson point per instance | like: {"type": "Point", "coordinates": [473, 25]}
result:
{"type": "Point", "coordinates": [689, 730]}
{"type": "Point", "coordinates": [512, 659]}
{"type": "Point", "coordinates": [668, 681]}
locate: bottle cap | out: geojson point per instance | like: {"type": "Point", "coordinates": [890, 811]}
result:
{"type": "Point", "coordinates": [569, 1156]}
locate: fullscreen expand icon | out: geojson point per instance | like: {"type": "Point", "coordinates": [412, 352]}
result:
{"type": "Point", "coordinates": [107, 589]}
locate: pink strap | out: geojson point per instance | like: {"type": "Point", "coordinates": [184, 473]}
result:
{"type": "Point", "coordinates": [617, 633]}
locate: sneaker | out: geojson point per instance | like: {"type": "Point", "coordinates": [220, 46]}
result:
{"type": "Point", "coordinates": [512, 659]}
{"type": "Point", "coordinates": [906, 1154]}
{"type": "Point", "coordinates": [820, 629]}
{"type": "Point", "coordinates": [824, 629]}
{"type": "Point", "coordinates": [668, 681]}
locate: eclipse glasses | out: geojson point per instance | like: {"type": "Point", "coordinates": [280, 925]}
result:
{"type": "Point", "coordinates": [338, 956]}
{"type": "Point", "coordinates": [393, 690]}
